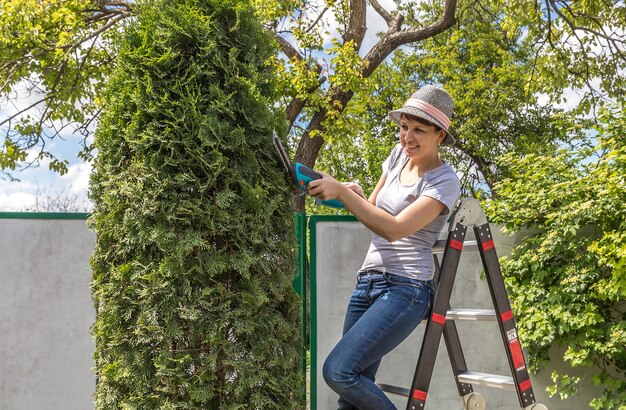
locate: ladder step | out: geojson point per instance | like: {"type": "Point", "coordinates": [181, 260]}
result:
{"type": "Point", "coordinates": [471, 314]}
{"type": "Point", "coordinates": [440, 246]}
{"type": "Point", "coordinates": [400, 391]}
{"type": "Point", "coordinates": [487, 380]}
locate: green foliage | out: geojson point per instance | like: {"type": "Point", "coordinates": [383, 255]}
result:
{"type": "Point", "coordinates": [56, 53]}
{"type": "Point", "coordinates": [568, 278]}
{"type": "Point", "coordinates": [575, 42]}
{"type": "Point", "coordinates": [59, 52]}
{"type": "Point", "coordinates": [522, 48]}
{"type": "Point", "coordinates": [194, 258]}
{"type": "Point", "coordinates": [488, 70]}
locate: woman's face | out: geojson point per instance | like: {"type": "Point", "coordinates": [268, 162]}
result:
{"type": "Point", "coordinates": [419, 140]}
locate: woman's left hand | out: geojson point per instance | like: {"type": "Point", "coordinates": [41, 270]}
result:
{"type": "Point", "coordinates": [326, 188]}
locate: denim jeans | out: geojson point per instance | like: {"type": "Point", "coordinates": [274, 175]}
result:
{"type": "Point", "coordinates": [383, 311]}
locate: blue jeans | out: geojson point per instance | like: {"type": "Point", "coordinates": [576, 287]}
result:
{"type": "Point", "coordinates": [383, 311]}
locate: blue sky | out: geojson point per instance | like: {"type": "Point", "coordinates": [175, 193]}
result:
{"type": "Point", "coordinates": [37, 184]}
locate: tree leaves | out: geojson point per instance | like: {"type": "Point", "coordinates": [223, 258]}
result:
{"type": "Point", "coordinates": [567, 278]}
{"type": "Point", "coordinates": [194, 258]}
{"type": "Point", "coordinates": [54, 55]}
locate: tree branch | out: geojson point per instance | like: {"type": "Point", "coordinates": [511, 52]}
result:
{"type": "Point", "coordinates": [289, 50]}
{"type": "Point", "coordinates": [357, 25]}
{"type": "Point", "coordinates": [22, 111]}
{"type": "Point", "coordinates": [383, 13]}
{"type": "Point", "coordinates": [393, 39]}
{"type": "Point", "coordinates": [104, 28]}
{"type": "Point", "coordinates": [317, 20]}
{"type": "Point", "coordinates": [549, 38]}
{"type": "Point", "coordinates": [296, 105]}
{"type": "Point", "coordinates": [574, 27]}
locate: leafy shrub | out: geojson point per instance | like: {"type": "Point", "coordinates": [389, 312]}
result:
{"type": "Point", "coordinates": [194, 258]}
{"type": "Point", "coordinates": [568, 279]}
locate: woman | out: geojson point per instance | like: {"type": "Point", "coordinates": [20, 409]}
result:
{"type": "Point", "coordinates": [406, 212]}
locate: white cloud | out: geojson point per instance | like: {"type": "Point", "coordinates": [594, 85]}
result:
{"type": "Point", "coordinates": [77, 179]}
{"type": "Point", "coordinates": [16, 201]}
{"type": "Point", "coordinates": [42, 190]}
{"type": "Point", "coordinates": [20, 99]}
{"type": "Point", "coordinates": [31, 157]}
{"type": "Point", "coordinates": [571, 96]}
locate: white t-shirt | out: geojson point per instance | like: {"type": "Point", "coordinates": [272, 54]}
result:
{"type": "Point", "coordinates": [412, 255]}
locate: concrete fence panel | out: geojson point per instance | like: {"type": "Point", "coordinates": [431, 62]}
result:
{"type": "Point", "coordinates": [45, 313]}
{"type": "Point", "coordinates": [338, 246]}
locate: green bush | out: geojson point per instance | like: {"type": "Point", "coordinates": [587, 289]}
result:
{"type": "Point", "coordinates": [194, 258]}
{"type": "Point", "coordinates": [568, 279]}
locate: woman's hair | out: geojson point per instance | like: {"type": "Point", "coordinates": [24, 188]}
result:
{"type": "Point", "coordinates": [420, 119]}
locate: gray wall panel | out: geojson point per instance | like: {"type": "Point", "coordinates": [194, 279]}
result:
{"type": "Point", "coordinates": [46, 312]}
{"type": "Point", "coordinates": [340, 247]}
{"type": "Point", "coordinates": [45, 315]}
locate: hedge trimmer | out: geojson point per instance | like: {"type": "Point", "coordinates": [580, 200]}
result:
{"type": "Point", "coordinates": [301, 175]}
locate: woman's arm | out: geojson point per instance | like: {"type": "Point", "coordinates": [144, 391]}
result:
{"type": "Point", "coordinates": [414, 217]}
{"type": "Point", "coordinates": [357, 188]}
{"type": "Point", "coordinates": [379, 186]}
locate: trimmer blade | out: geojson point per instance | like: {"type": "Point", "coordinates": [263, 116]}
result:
{"type": "Point", "coordinates": [284, 159]}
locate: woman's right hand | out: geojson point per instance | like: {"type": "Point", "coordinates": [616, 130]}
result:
{"type": "Point", "coordinates": [355, 187]}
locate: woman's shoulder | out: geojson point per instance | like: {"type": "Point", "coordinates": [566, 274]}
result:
{"type": "Point", "coordinates": [443, 173]}
{"type": "Point", "coordinates": [396, 155]}
{"type": "Point", "coordinates": [396, 151]}
{"type": "Point", "coordinates": [443, 184]}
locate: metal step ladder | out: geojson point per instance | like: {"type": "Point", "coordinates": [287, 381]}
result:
{"type": "Point", "coordinates": [443, 317]}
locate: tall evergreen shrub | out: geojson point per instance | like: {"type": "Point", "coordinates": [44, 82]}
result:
{"type": "Point", "coordinates": [194, 258]}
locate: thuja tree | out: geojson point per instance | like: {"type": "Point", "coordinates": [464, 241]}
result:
{"type": "Point", "coordinates": [194, 258]}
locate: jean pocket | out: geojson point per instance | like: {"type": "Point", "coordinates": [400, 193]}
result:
{"type": "Point", "coordinates": [401, 280]}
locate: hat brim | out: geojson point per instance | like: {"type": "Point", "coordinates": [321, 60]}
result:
{"type": "Point", "coordinates": [416, 112]}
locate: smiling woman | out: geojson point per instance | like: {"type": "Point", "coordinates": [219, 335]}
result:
{"type": "Point", "coordinates": [406, 212]}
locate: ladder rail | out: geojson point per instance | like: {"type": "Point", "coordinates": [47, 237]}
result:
{"type": "Point", "coordinates": [437, 320]}
{"type": "Point", "coordinates": [442, 322]}
{"type": "Point", "coordinates": [453, 344]}
{"type": "Point", "coordinates": [504, 314]}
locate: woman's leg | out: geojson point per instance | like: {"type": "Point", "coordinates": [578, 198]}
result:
{"type": "Point", "coordinates": [396, 307]}
{"type": "Point", "coordinates": [359, 303]}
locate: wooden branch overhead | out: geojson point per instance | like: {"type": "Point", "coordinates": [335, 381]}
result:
{"type": "Point", "coordinates": [397, 37]}
{"type": "Point", "coordinates": [381, 10]}
{"type": "Point", "coordinates": [569, 21]}
{"type": "Point", "coordinates": [357, 25]}
{"type": "Point", "coordinates": [289, 50]}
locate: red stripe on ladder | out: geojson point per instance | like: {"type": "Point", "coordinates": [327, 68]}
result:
{"type": "Point", "coordinates": [506, 316]}
{"type": "Point", "coordinates": [437, 318]}
{"type": "Point", "coordinates": [488, 245]}
{"type": "Point", "coordinates": [516, 354]}
{"type": "Point", "coordinates": [456, 244]}
{"type": "Point", "coordinates": [525, 385]}
{"type": "Point", "coordinates": [419, 395]}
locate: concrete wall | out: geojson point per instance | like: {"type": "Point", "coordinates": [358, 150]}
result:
{"type": "Point", "coordinates": [45, 314]}
{"type": "Point", "coordinates": [339, 248]}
